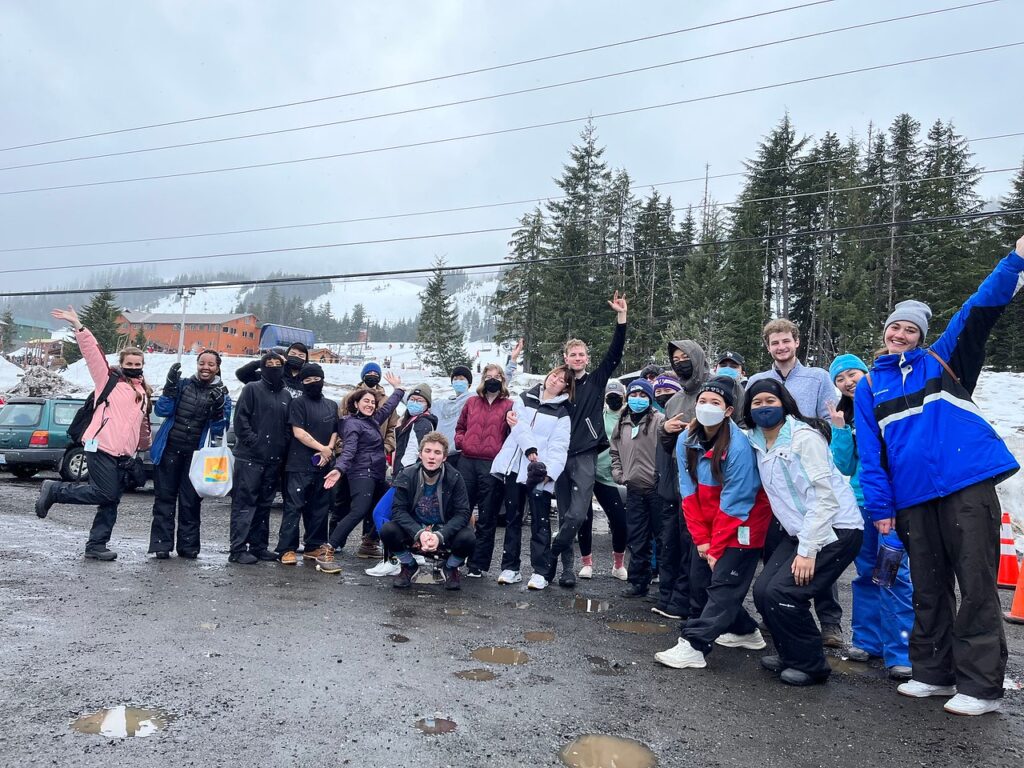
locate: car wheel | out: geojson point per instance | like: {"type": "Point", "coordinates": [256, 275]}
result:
{"type": "Point", "coordinates": [23, 473]}
{"type": "Point", "coordinates": [75, 467]}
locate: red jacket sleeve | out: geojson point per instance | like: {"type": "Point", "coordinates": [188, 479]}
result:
{"type": "Point", "coordinates": [696, 522]}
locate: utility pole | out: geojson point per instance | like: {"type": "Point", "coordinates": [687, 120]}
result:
{"type": "Point", "coordinates": [185, 294]}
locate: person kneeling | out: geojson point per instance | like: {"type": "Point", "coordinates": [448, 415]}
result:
{"type": "Point", "coordinates": [430, 515]}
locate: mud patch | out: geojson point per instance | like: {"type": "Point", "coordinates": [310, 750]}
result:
{"type": "Point", "coordinates": [493, 654]}
{"type": "Point", "coordinates": [476, 675]}
{"type": "Point", "coordinates": [539, 637]}
{"type": "Point", "coordinates": [599, 751]}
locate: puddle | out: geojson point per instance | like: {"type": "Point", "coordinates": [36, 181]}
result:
{"type": "Point", "coordinates": [435, 725]}
{"type": "Point", "coordinates": [1011, 685]}
{"type": "Point", "coordinates": [456, 612]}
{"type": "Point", "coordinates": [639, 627]}
{"type": "Point", "coordinates": [398, 638]}
{"type": "Point", "coordinates": [605, 668]}
{"type": "Point", "coordinates": [586, 605]}
{"type": "Point", "coordinates": [494, 654]}
{"type": "Point", "coordinates": [858, 669]}
{"type": "Point", "coordinates": [539, 637]}
{"type": "Point", "coordinates": [477, 675]}
{"type": "Point", "coordinates": [597, 751]}
{"type": "Point", "coordinates": [124, 722]}
{"type": "Point", "coordinates": [425, 576]}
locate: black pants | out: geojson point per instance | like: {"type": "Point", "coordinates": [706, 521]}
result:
{"type": "Point", "coordinates": [786, 607]}
{"type": "Point", "coordinates": [718, 597]}
{"type": "Point", "coordinates": [487, 493]}
{"type": "Point", "coordinates": [515, 497]}
{"type": "Point", "coordinates": [364, 493]}
{"type": "Point", "coordinates": [173, 493]}
{"type": "Point", "coordinates": [305, 497]}
{"type": "Point", "coordinates": [826, 607]}
{"type": "Point", "coordinates": [341, 499]}
{"type": "Point", "coordinates": [106, 484]}
{"type": "Point", "coordinates": [397, 540]}
{"type": "Point", "coordinates": [255, 486]}
{"type": "Point", "coordinates": [956, 539]}
{"type": "Point", "coordinates": [574, 491]}
{"type": "Point", "coordinates": [612, 499]}
{"type": "Point", "coordinates": [542, 557]}
{"type": "Point", "coordinates": [675, 561]}
{"type": "Point", "coordinates": [643, 526]}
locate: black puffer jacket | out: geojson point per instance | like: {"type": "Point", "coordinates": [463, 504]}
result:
{"type": "Point", "coordinates": [198, 404]}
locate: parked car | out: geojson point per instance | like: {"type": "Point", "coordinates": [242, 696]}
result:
{"type": "Point", "coordinates": [34, 436]}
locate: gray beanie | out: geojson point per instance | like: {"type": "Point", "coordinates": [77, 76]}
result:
{"type": "Point", "coordinates": [916, 312]}
{"type": "Point", "coordinates": [614, 385]}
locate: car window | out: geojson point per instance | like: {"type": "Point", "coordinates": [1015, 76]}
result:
{"type": "Point", "coordinates": [64, 413]}
{"type": "Point", "coordinates": [20, 414]}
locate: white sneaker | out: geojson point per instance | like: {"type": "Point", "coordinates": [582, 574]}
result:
{"type": "Point", "coordinates": [917, 690]}
{"type": "Point", "coordinates": [962, 704]}
{"type": "Point", "coordinates": [682, 656]}
{"type": "Point", "coordinates": [620, 573]}
{"type": "Point", "coordinates": [385, 568]}
{"type": "Point", "coordinates": [510, 577]}
{"type": "Point", "coordinates": [754, 641]}
{"type": "Point", "coordinates": [586, 572]}
{"type": "Point", "coordinates": [536, 582]}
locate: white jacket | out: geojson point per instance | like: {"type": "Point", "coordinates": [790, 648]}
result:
{"type": "Point", "coordinates": [543, 426]}
{"type": "Point", "coordinates": [809, 496]}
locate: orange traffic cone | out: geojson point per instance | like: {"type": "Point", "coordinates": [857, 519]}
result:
{"type": "Point", "coordinates": [1016, 613]}
{"type": "Point", "coordinates": [1009, 568]}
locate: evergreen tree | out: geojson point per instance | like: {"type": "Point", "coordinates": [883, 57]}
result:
{"type": "Point", "coordinates": [7, 331]}
{"type": "Point", "coordinates": [440, 336]}
{"type": "Point", "coordinates": [140, 339]}
{"type": "Point", "coordinates": [1006, 345]}
{"type": "Point", "coordinates": [698, 310]}
{"type": "Point", "coordinates": [647, 278]}
{"type": "Point", "coordinates": [100, 317]}
{"type": "Point", "coordinates": [516, 302]}
{"type": "Point", "coordinates": [904, 165]}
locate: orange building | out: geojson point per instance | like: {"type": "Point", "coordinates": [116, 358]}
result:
{"type": "Point", "coordinates": [228, 334]}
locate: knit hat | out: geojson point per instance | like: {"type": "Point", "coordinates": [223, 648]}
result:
{"type": "Point", "coordinates": [911, 311]}
{"type": "Point", "coordinates": [667, 382]}
{"type": "Point", "coordinates": [424, 391]}
{"type": "Point", "coordinates": [764, 385]}
{"type": "Point", "coordinates": [370, 367]}
{"type": "Point", "coordinates": [722, 386]}
{"type": "Point", "coordinates": [310, 369]}
{"type": "Point", "coordinates": [462, 370]}
{"type": "Point", "coordinates": [616, 386]}
{"type": "Point", "coordinates": [643, 386]}
{"type": "Point", "coordinates": [845, 363]}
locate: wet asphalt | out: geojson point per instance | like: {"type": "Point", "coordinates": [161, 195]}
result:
{"type": "Point", "coordinates": [273, 665]}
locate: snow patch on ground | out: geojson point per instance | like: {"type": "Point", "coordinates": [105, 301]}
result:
{"type": "Point", "coordinates": [1000, 396]}
{"type": "Point", "coordinates": [10, 375]}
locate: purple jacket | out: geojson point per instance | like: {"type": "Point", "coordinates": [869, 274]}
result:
{"type": "Point", "coordinates": [362, 453]}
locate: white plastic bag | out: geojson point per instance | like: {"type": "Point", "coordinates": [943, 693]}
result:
{"type": "Point", "coordinates": [212, 470]}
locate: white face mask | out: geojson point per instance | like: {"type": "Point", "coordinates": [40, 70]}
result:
{"type": "Point", "coordinates": [709, 415]}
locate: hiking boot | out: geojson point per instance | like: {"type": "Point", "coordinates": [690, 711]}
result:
{"type": "Point", "coordinates": [452, 578]}
{"type": "Point", "coordinates": [832, 636]}
{"type": "Point", "coordinates": [289, 558]}
{"type": "Point", "coordinates": [243, 558]}
{"type": "Point", "coordinates": [266, 555]}
{"type": "Point", "coordinates": [326, 563]}
{"type": "Point", "coordinates": [313, 554]}
{"type": "Point", "coordinates": [369, 550]}
{"type": "Point", "coordinates": [404, 578]}
{"type": "Point", "coordinates": [162, 555]}
{"type": "Point", "coordinates": [188, 555]}
{"type": "Point", "coordinates": [567, 579]}
{"type": "Point", "coordinates": [772, 663]}
{"type": "Point", "coordinates": [385, 568]}
{"type": "Point", "coordinates": [47, 497]}
{"type": "Point", "coordinates": [100, 553]}
{"type": "Point", "coordinates": [792, 676]}
{"type": "Point", "coordinates": [900, 672]}
{"type": "Point", "coordinates": [854, 653]}
{"type": "Point", "coordinates": [635, 590]}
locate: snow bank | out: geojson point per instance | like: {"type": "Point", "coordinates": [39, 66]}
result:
{"type": "Point", "coordinates": [1001, 398]}
{"type": "Point", "coordinates": [10, 374]}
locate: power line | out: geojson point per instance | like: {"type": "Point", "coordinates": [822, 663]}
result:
{"type": "Point", "coordinates": [506, 263]}
{"type": "Point", "coordinates": [436, 211]}
{"type": "Point", "coordinates": [517, 129]}
{"type": "Point", "coordinates": [488, 230]}
{"type": "Point", "coordinates": [491, 97]}
{"type": "Point", "coordinates": [423, 81]}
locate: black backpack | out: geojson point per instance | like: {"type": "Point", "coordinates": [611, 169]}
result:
{"type": "Point", "coordinates": [84, 415]}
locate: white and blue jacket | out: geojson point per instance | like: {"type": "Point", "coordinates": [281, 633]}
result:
{"type": "Point", "coordinates": [919, 434]}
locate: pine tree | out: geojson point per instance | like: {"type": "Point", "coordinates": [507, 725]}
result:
{"type": "Point", "coordinates": [100, 317]}
{"type": "Point", "coordinates": [7, 331]}
{"type": "Point", "coordinates": [439, 336]}
{"type": "Point", "coordinates": [516, 302]}
{"type": "Point", "coordinates": [647, 278]}
{"type": "Point", "coordinates": [1006, 345]}
{"type": "Point", "coordinates": [140, 339]}
{"type": "Point", "coordinates": [698, 310]}
{"type": "Point", "coordinates": [904, 164]}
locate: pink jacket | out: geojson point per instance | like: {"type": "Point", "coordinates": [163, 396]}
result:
{"type": "Point", "coordinates": [119, 422]}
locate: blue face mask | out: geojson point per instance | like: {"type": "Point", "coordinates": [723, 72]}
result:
{"type": "Point", "coordinates": [415, 407]}
{"type": "Point", "coordinates": [638, 404]}
{"type": "Point", "coordinates": [460, 386]}
{"type": "Point", "coordinates": [725, 370]}
{"type": "Point", "coordinates": [769, 417]}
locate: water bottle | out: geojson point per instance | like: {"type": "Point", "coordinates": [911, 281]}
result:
{"type": "Point", "coordinates": [890, 557]}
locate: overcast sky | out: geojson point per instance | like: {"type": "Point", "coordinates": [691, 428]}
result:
{"type": "Point", "coordinates": [68, 68]}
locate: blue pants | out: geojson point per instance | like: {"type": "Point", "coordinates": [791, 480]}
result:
{"type": "Point", "coordinates": [882, 617]}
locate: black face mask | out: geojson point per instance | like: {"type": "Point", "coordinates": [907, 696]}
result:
{"type": "Point", "coordinates": [273, 375]}
{"type": "Point", "coordinates": [132, 373]}
{"type": "Point", "coordinates": [314, 390]}
{"type": "Point", "coordinates": [663, 398]}
{"type": "Point", "coordinates": [432, 473]}
{"type": "Point", "coordinates": [492, 386]}
{"type": "Point", "coordinates": [614, 402]}
{"type": "Point", "coordinates": [295, 362]}
{"type": "Point", "coordinates": [371, 380]}
{"type": "Point", "coordinates": [683, 368]}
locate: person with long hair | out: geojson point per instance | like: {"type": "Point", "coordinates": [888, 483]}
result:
{"type": "Point", "coordinates": [118, 429]}
{"type": "Point", "coordinates": [820, 520]}
{"type": "Point", "coordinates": [534, 455]}
{"type": "Point", "coordinates": [727, 514]}
{"type": "Point", "coordinates": [930, 463]}
{"type": "Point", "coordinates": [882, 615]}
{"type": "Point", "coordinates": [414, 425]}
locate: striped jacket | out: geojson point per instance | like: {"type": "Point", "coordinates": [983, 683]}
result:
{"type": "Point", "coordinates": [919, 434]}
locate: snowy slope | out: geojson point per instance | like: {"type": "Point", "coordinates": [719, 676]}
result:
{"type": "Point", "coordinates": [1001, 398]}
{"type": "Point", "coordinates": [10, 374]}
{"type": "Point", "coordinates": [383, 300]}
{"type": "Point", "coordinates": [207, 301]}
{"type": "Point", "coordinates": [476, 295]}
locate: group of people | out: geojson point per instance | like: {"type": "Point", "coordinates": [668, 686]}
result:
{"type": "Point", "coordinates": [704, 475]}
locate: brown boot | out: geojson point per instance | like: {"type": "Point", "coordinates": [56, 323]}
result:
{"type": "Point", "coordinates": [369, 550]}
{"type": "Point", "coordinates": [313, 554]}
{"type": "Point", "coordinates": [326, 563]}
{"type": "Point", "coordinates": [289, 558]}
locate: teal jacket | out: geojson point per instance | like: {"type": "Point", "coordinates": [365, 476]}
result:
{"type": "Point", "coordinates": [844, 454]}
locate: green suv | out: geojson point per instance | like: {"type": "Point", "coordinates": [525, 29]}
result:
{"type": "Point", "coordinates": [34, 437]}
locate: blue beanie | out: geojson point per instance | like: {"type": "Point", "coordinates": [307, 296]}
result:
{"type": "Point", "coordinates": [370, 368]}
{"type": "Point", "coordinates": [641, 385]}
{"type": "Point", "coordinates": [844, 363]}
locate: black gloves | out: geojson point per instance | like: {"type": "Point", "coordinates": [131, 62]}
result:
{"type": "Point", "coordinates": [173, 379]}
{"type": "Point", "coordinates": [536, 473]}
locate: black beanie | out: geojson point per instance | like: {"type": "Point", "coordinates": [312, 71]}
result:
{"type": "Point", "coordinates": [461, 370]}
{"type": "Point", "coordinates": [311, 369]}
{"type": "Point", "coordinates": [764, 385]}
{"type": "Point", "coordinates": [722, 386]}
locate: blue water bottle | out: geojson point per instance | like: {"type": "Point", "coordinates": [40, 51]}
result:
{"type": "Point", "coordinates": [890, 557]}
